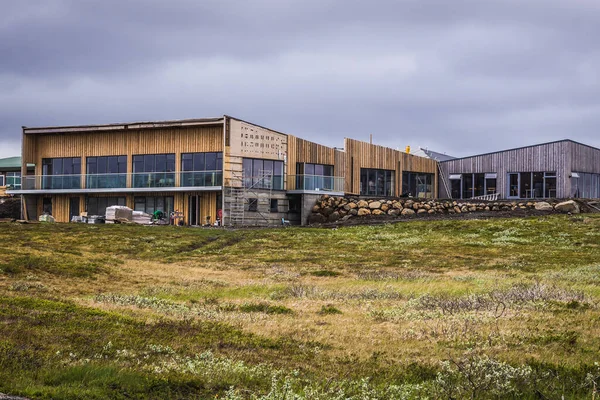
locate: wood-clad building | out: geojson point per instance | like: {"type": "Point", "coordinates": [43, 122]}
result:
{"type": "Point", "coordinates": [558, 169]}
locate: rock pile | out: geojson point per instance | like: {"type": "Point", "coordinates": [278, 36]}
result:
{"type": "Point", "coordinates": [332, 209]}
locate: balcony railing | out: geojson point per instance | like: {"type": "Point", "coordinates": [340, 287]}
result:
{"type": "Point", "coordinates": [122, 181]}
{"type": "Point", "coordinates": [316, 182]}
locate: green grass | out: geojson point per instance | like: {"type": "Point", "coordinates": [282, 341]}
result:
{"type": "Point", "coordinates": [437, 309]}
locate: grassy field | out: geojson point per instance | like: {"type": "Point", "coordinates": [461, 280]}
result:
{"type": "Point", "coordinates": [500, 308]}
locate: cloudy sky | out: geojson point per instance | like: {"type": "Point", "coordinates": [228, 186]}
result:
{"type": "Point", "coordinates": [460, 76]}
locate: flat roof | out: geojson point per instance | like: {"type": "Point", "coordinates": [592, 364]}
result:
{"type": "Point", "coordinates": [123, 126]}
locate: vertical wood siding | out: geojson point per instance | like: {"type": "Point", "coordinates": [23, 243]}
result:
{"type": "Point", "coordinates": [550, 157]}
{"type": "Point", "coordinates": [365, 155]}
{"type": "Point", "coordinates": [304, 151]}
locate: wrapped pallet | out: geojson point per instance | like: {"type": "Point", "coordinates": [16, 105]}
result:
{"type": "Point", "coordinates": [119, 213]}
{"type": "Point", "coordinates": [142, 218]}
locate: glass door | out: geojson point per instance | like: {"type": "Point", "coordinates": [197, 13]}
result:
{"type": "Point", "coordinates": [513, 186]}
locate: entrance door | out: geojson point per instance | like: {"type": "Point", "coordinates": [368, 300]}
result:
{"type": "Point", "coordinates": [513, 185]}
{"type": "Point", "coordinates": [73, 207]}
{"type": "Point", "coordinates": [194, 210]}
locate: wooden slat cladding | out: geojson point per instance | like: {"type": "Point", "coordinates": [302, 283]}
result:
{"type": "Point", "coordinates": [130, 142]}
{"type": "Point", "coordinates": [365, 155]}
{"type": "Point", "coordinates": [550, 157]}
{"type": "Point", "coordinates": [585, 158]}
{"type": "Point", "coordinates": [303, 151]}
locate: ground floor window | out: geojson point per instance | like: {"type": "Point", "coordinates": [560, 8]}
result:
{"type": "Point", "coordinates": [585, 185]}
{"type": "Point", "coordinates": [376, 182]}
{"type": "Point", "coordinates": [2, 180]}
{"type": "Point", "coordinates": [467, 186]}
{"type": "Point", "coordinates": [530, 185]}
{"type": "Point", "coordinates": [98, 205]}
{"type": "Point", "coordinates": [150, 204]}
{"type": "Point", "coordinates": [416, 184]}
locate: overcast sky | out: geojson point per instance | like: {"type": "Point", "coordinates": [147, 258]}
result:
{"type": "Point", "coordinates": [460, 76]}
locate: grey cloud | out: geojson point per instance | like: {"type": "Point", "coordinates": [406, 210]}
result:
{"type": "Point", "coordinates": [461, 76]}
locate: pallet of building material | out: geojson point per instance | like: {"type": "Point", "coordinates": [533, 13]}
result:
{"type": "Point", "coordinates": [46, 218]}
{"type": "Point", "coordinates": [141, 218]}
{"type": "Point", "coordinates": [119, 213]}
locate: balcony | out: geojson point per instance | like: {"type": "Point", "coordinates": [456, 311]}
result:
{"type": "Point", "coordinates": [107, 183]}
{"type": "Point", "coordinates": [315, 183]}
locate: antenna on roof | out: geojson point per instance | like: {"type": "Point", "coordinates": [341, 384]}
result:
{"type": "Point", "coordinates": [370, 138]}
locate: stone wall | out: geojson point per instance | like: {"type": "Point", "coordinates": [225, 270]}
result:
{"type": "Point", "coordinates": [332, 209]}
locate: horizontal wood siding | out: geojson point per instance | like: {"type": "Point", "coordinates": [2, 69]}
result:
{"type": "Point", "coordinates": [365, 155]}
{"type": "Point", "coordinates": [551, 157]}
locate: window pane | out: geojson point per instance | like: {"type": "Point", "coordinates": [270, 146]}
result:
{"type": "Point", "coordinates": [161, 163]}
{"type": "Point", "coordinates": [199, 163]}
{"type": "Point", "coordinates": [525, 190]}
{"type": "Point", "coordinates": [113, 164]}
{"type": "Point", "coordinates": [170, 163]}
{"type": "Point", "coordinates": [219, 161]}
{"type": "Point", "coordinates": [309, 169]}
{"type": "Point", "coordinates": [57, 166]}
{"type": "Point", "coordinates": [211, 161]}
{"type": "Point", "coordinates": [149, 163]}
{"type": "Point", "coordinates": [479, 184]}
{"type": "Point", "coordinates": [278, 168]}
{"type": "Point", "coordinates": [467, 186]}
{"type": "Point", "coordinates": [319, 169]}
{"type": "Point", "coordinates": [247, 172]}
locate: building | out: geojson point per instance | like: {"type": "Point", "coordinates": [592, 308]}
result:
{"type": "Point", "coordinates": [560, 169]}
{"type": "Point", "coordinates": [10, 174]}
{"type": "Point", "coordinates": [210, 170]}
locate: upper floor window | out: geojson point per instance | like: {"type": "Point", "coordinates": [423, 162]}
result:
{"type": "Point", "coordinates": [314, 176]}
{"type": "Point", "coordinates": [154, 170]}
{"type": "Point", "coordinates": [202, 169]}
{"type": "Point", "coordinates": [61, 173]}
{"type": "Point", "coordinates": [107, 165]}
{"type": "Point", "coordinates": [263, 174]}
{"type": "Point", "coordinates": [202, 161]}
{"type": "Point", "coordinates": [61, 166]}
{"type": "Point", "coordinates": [376, 182]}
{"type": "Point", "coordinates": [106, 172]}
{"type": "Point", "coordinates": [154, 163]}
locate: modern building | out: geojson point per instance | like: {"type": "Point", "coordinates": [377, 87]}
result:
{"type": "Point", "coordinates": [10, 174]}
{"type": "Point", "coordinates": [560, 169]}
{"type": "Point", "coordinates": [213, 169]}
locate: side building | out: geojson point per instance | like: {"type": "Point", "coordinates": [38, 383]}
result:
{"type": "Point", "coordinates": [10, 174]}
{"type": "Point", "coordinates": [213, 170]}
{"type": "Point", "coordinates": [560, 169]}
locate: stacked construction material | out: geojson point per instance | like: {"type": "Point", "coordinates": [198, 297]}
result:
{"type": "Point", "coordinates": [142, 218]}
{"type": "Point", "coordinates": [119, 214]}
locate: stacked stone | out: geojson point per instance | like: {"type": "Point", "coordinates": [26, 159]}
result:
{"type": "Point", "coordinates": [332, 208]}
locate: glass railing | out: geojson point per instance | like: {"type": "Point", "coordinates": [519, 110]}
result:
{"type": "Point", "coordinates": [120, 181]}
{"type": "Point", "coordinates": [105, 181]}
{"type": "Point", "coordinates": [153, 179]}
{"type": "Point", "coordinates": [200, 178]}
{"type": "Point", "coordinates": [316, 183]}
{"type": "Point", "coordinates": [271, 182]}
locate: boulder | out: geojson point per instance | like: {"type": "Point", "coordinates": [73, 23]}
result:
{"type": "Point", "coordinates": [362, 204]}
{"type": "Point", "coordinates": [316, 209]}
{"type": "Point", "coordinates": [316, 218]}
{"type": "Point", "coordinates": [543, 206]}
{"type": "Point", "coordinates": [334, 216]}
{"type": "Point", "coordinates": [408, 211]}
{"type": "Point", "coordinates": [378, 212]}
{"type": "Point", "coordinates": [422, 211]}
{"type": "Point", "coordinates": [353, 211]}
{"type": "Point", "coordinates": [375, 205]}
{"type": "Point", "coordinates": [363, 211]}
{"type": "Point", "coordinates": [567, 207]}
{"type": "Point", "coordinates": [351, 205]}
{"type": "Point", "coordinates": [394, 212]}
{"type": "Point", "coordinates": [385, 207]}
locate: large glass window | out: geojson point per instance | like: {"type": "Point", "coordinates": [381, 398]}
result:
{"type": "Point", "coordinates": [585, 185]}
{"type": "Point", "coordinates": [61, 173]}
{"type": "Point", "coordinates": [150, 204]}
{"type": "Point", "coordinates": [106, 172]}
{"type": "Point", "coordinates": [262, 174]}
{"type": "Point", "coordinates": [467, 186]}
{"type": "Point", "coordinates": [202, 169]}
{"type": "Point", "coordinates": [376, 182]}
{"type": "Point", "coordinates": [528, 185]}
{"type": "Point", "coordinates": [154, 170]}
{"type": "Point", "coordinates": [416, 184]}
{"type": "Point", "coordinates": [98, 205]}
{"type": "Point", "coordinates": [311, 176]}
